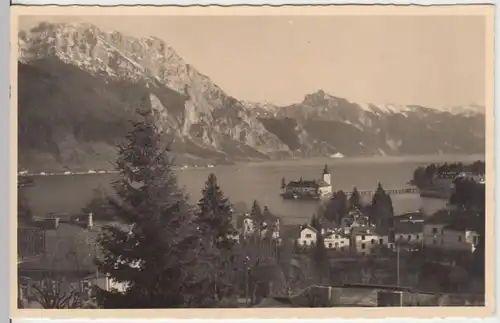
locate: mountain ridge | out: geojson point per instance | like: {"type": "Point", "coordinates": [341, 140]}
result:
{"type": "Point", "coordinates": [108, 71]}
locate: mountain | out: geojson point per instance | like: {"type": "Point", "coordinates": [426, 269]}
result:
{"type": "Point", "coordinates": [368, 129]}
{"type": "Point", "coordinates": [79, 86]}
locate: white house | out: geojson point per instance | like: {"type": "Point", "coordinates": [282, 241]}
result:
{"type": "Point", "coordinates": [459, 238]}
{"type": "Point", "coordinates": [337, 241]}
{"type": "Point", "coordinates": [433, 229]}
{"type": "Point", "coordinates": [307, 236]}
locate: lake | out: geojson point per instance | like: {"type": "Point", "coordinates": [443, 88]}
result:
{"type": "Point", "coordinates": [243, 183]}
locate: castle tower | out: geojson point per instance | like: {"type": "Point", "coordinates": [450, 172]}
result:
{"type": "Point", "coordinates": [327, 177]}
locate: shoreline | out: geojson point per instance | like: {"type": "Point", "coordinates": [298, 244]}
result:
{"type": "Point", "coordinates": [290, 161]}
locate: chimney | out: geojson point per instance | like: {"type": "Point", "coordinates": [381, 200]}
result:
{"type": "Point", "coordinates": [90, 222]}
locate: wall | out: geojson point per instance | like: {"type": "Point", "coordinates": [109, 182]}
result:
{"type": "Point", "coordinates": [458, 240]}
{"type": "Point", "coordinates": [337, 242]}
{"type": "Point", "coordinates": [430, 236]}
{"type": "Point", "coordinates": [371, 242]}
{"type": "Point", "coordinates": [415, 238]}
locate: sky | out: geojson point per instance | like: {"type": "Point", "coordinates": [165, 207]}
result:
{"type": "Point", "coordinates": [436, 61]}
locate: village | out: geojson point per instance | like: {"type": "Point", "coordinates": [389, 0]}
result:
{"type": "Point", "coordinates": [393, 253]}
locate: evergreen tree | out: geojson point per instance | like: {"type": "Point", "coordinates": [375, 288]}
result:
{"type": "Point", "coordinates": [257, 216]}
{"type": "Point", "coordinates": [157, 253]}
{"type": "Point", "coordinates": [214, 221]}
{"type": "Point", "coordinates": [381, 211]}
{"type": "Point", "coordinates": [355, 199]}
{"type": "Point", "coordinates": [315, 223]}
{"type": "Point", "coordinates": [215, 214]}
{"type": "Point", "coordinates": [325, 170]}
{"type": "Point", "coordinates": [320, 257]}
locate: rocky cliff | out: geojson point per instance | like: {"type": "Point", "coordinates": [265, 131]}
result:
{"type": "Point", "coordinates": [79, 86]}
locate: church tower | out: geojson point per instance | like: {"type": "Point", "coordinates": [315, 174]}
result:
{"type": "Point", "coordinates": [326, 176]}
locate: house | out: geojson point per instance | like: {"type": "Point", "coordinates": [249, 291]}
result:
{"type": "Point", "coordinates": [67, 263]}
{"type": "Point", "coordinates": [433, 229]}
{"type": "Point", "coordinates": [309, 188]}
{"type": "Point", "coordinates": [337, 241]}
{"type": "Point", "coordinates": [307, 236]}
{"type": "Point", "coordinates": [460, 236]}
{"type": "Point", "coordinates": [367, 241]}
{"type": "Point", "coordinates": [410, 233]}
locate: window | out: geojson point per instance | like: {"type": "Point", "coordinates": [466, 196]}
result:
{"type": "Point", "coordinates": [435, 230]}
{"type": "Point", "coordinates": [330, 245]}
{"type": "Point", "coordinates": [336, 244]}
{"type": "Point", "coordinates": [363, 246]}
{"type": "Point", "coordinates": [336, 237]}
{"type": "Point", "coordinates": [381, 241]}
{"type": "Point", "coordinates": [373, 241]}
{"type": "Point", "coordinates": [308, 235]}
{"type": "Point", "coordinates": [363, 237]}
{"type": "Point", "coordinates": [409, 237]}
{"type": "Point", "coordinates": [459, 238]}
{"type": "Point", "coordinates": [417, 237]}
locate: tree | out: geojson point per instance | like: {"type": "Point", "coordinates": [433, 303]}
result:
{"type": "Point", "coordinates": [50, 295]}
{"type": "Point", "coordinates": [320, 257]}
{"type": "Point", "coordinates": [99, 205]}
{"type": "Point", "coordinates": [355, 199]}
{"type": "Point", "coordinates": [257, 216]}
{"type": "Point", "coordinates": [215, 214]}
{"type": "Point", "coordinates": [214, 221]}
{"type": "Point", "coordinates": [381, 211]}
{"type": "Point", "coordinates": [158, 252]}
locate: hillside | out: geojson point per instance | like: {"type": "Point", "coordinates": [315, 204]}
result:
{"type": "Point", "coordinates": [79, 85]}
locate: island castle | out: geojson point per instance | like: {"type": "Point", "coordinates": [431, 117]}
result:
{"type": "Point", "coordinates": [308, 189]}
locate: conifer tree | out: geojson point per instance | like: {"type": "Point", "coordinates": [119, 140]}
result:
{"type": "Point", "coordinates": [355, 199]}
{"type": "Point", "coordinates": [257, 216]}
{"type": "Point", "coordinates": [215, 214]}
{"type": "Point", "coordinates": [214, 221]}
{"type": "Point", "coordinates": [320, 257]}
{"type": "Point", "coordinates": [157, 252]}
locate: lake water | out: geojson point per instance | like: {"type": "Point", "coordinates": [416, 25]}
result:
{"type": "Point", "coordinates": [243, 183]}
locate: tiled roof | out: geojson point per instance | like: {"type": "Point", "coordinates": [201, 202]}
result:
{"type": "Point", "coordinates": [308, 183]}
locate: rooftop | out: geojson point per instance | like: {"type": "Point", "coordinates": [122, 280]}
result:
{"type": "Point", "coordinates": [408, 227]}
{"type": "Point", "coordinates": [440, 217]}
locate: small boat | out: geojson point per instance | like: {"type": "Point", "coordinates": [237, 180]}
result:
{"type": "Point", "coordinates": [92, 171]}
{"type": "Point", "coordinates": [43, 173]}
{"type": "Point", "coordinates": [67, 173]}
